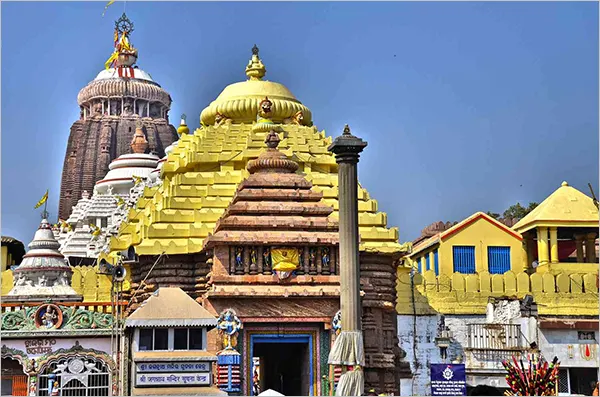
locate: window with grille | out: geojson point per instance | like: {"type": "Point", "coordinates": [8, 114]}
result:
{"type": "Point", "coordinates": [427, 264]}
{"type": "Point", "coordinates": [563, 380]}
{"type": "Point", "coordinates": [463, 258]}
{"type": "Point", "coordinates": [436, 263]}
{"type": "Point", "coordinates": [419, 267]}
{"type": "Point", "coordinates": [75, 376]}
{"type": "Point", "coordinates": [188, 339]}
{"type": "Point", "coordinates": [498, 260]}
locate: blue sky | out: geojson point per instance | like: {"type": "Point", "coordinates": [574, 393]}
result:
{"type": "Point", "coordinates": [466, 106]}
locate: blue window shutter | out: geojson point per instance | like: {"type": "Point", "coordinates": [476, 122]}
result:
{"type": "Point", "coordinates": [427, 264]}
{"type": "Point", "coordinates": [436, 263]}
{"type": "Point", "coordinates": [419, 265]}
{"type": "Point", "coordinates": [463, 259]}
{"type": "Point", "coordinates": [498, 260]}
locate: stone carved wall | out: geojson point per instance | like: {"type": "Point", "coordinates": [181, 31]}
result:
{"type": "Point", "coordinates": [93, 143]}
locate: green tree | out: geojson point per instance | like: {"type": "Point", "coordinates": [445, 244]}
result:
{"type": "Point", "coordinates": [517, 211]}
{"type": "Point", "coordinates": [494, 215]}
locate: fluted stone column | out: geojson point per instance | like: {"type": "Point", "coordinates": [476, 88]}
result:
{"type": "Point", "coordinates": [348, 348]}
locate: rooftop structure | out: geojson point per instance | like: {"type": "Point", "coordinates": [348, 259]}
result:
{"type": "Point", "coordinates": [205, 167]}
{"type": "Point", "coordinates": [121, 99]}
{"type": "Point", "coordinates": [94, 219]}
{"type": "Point", "coordinates": [44, 272]}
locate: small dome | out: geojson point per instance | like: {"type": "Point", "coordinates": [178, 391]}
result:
{"type": "Point", "coordinates": [123, 170]}
{"type": "Point", "coordinates": [240, 101]}
{"type": "Point", "coordinates": [183, 128]}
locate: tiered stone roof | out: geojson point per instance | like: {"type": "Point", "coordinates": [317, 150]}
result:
{"type": "Point", "coordinates": [202, 173]}
{"type": "Point", "coordinates": [275, 205]}
{"type": "Point", "coordinates": [44, 273]}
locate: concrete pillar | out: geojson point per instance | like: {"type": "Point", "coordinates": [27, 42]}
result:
{"type": "Point", "coordinates": [553, 245]}
{"type": "Point", "coordinates": [542, 244]}
{"type": "Point", "coordinates": [579, 244]}
{"type": "Point", "coordinates": [590, 248]}
{"type": "Point", "coordinates": [347, 148]}
{"type": "Point", "coordinates": [431, 261]}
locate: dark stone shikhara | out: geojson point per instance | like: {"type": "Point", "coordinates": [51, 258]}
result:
{"type": "Point", "coordinates": [110, 107]}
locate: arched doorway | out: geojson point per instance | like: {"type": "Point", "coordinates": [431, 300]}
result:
{"type": "Point", "coordinates": [75, 375]}
{"type": "Point", "coordinates": [14, 380]}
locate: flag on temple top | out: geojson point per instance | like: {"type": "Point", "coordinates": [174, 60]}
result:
{"type": "Point", "coordinates": [42, 200]}
{"type": "Point", "coordinates": [108, 5]}
{"type": "Point", "coordinates": [116, 39]}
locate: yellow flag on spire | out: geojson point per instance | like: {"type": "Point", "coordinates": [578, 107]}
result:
{"type": "Point", "coordinates": [108, 5]}
{"type": "Point", "coordinates": [42, 200]}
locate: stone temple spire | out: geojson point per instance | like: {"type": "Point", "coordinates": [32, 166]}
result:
{"type": "Point", "coordinates": [44, 272]}
{"type": "Point", "coordinates": [139, 144]}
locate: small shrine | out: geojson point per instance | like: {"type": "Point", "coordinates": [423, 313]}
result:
{"type": "Point", "coordinates": [52, 343]}
{"type": "Point", "coordinates": [169, 346]}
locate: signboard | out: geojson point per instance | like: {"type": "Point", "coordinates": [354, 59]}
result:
{"type": "Point", "coordinates": [448, 380]}
{"type": "Point", "coordinates": [173, 379]}
{"type": "Point", "coordinates": [173, 367]}
{"type": "Point", "coordinates": [39, 346]}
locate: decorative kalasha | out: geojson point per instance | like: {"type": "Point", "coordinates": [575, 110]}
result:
{"type": "Point", "coordinates": [228, 359]}
{"type": "Point", "coordinates": [537, 378]}
{"type": "Point", "coordinates": [229, 325]}
{"type": "Point", "coordinates": [48, 316]}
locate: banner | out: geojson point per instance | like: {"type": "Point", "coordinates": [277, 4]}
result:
{"type": "Point", "coordinates": [448, 380]}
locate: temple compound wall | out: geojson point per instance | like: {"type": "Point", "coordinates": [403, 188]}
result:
{"type": "Point", "coordinates": [493, 317]}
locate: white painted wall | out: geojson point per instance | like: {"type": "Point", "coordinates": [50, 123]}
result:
{"type": "Point", "coordinates": [556, 342]}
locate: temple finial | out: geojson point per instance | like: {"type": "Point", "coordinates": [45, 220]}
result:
{"type": "Point", "coordinates": [255, 69]}
{"type": "Point", "coordinates": [347, 130]}
{"type": "Point", "coordinates": [183, 128]}
{"type": "Point", "coordinates": [272, 140]}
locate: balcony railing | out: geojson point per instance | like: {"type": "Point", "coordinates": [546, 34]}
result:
{"type": "Point", "coordinates": [504, 337]}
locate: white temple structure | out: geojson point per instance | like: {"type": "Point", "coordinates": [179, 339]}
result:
{"type": "Point", "coordinates": [95, 219]}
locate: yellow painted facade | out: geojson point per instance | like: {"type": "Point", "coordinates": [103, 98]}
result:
{"type": "Point", "coordinates": [559, 289]}
{"type": "Point", "coordinates": [201, 174]}
{"type": "Point", "coordinates": [479, 231]}
{"type": "Point", "coordinates": [86, 281]}
{"type": "Point", "coordinates": [559, 295]}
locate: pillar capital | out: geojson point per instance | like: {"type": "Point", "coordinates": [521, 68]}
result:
{"type": "Point", "coordinates": [347, 147]}
{"type": "Point", "coordinates": [579, 237]}
{"type": "Point", "coordinates": [591, 236]}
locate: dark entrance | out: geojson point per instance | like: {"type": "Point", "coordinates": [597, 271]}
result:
{"type": "Point", "coordinates": [284, 367]}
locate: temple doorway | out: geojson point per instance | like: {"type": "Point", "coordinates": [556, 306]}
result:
{"type": "Point", "coordinates": [14, 380]}
{"type": "Point", "coordinates": [284, 364]}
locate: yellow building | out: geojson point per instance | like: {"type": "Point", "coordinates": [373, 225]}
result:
{"type": "Point", "coordinates": [12, 252]}
{"type": "Point", "coordinates": [564, 223]}
{"type": "Point", "coordinates": [477, 244]}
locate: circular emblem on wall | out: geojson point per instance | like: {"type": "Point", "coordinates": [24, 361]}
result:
{"type": "Point", "coordinates": [48, 316]}
{"type": "Point", "coordinates": [76, 366]}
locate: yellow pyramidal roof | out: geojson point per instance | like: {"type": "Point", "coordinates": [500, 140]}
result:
{"type": "Point", "coordinates": [567, 206]}
{"type": "Point", "coordinates": [201, 174]}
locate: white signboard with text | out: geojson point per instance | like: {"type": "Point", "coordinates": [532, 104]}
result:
{"type": "Point", "coordinates": [172, 379]}
{"type": "Point", "coordinates": [173, 367]}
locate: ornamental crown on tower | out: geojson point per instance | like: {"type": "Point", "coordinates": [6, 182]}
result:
{"type": "Point", "coordinates": [124, 55]}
